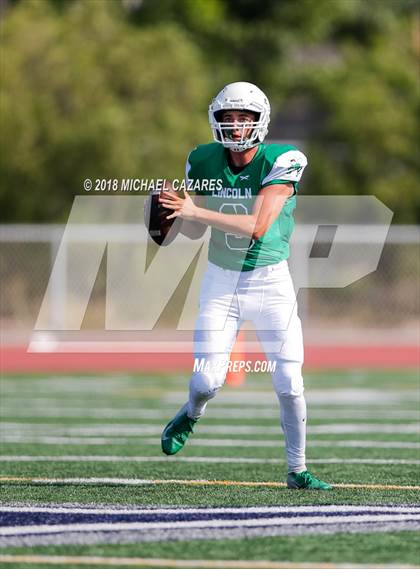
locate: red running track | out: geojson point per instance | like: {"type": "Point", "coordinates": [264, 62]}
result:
{"type": "Point", "coordinates": [18, 360]}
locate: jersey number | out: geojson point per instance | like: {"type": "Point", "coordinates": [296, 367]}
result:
{"type": "Point", "coordinates": [233, 241]}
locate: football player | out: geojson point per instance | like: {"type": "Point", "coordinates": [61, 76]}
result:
{"type": "Point", "coordinates": [251, 220]}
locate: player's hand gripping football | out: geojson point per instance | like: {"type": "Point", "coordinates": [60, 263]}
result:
{"type": "Point", "coordinates": [182, 207]}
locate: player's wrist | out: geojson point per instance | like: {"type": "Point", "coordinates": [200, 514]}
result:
{"type": "Point", "coordinates": [198, 214]}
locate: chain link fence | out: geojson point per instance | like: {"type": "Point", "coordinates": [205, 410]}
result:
{"type": "Point", "coordinates": [386, 300]}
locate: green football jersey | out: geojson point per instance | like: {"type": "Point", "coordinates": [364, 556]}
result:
{"type": "Point", "coordinates": [236, 194]}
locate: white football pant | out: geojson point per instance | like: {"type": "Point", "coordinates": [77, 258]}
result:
{"type": "Point", "coordinates": [266, 297]}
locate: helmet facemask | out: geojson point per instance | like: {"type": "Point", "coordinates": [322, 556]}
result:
{"type": "Point", "coordinates": [237, 136]}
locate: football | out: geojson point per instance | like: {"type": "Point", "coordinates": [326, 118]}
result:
{"type": "Point", "coordinates": [162, 230]}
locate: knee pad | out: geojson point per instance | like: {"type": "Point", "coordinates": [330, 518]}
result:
{"type": "Point", "coordinates": [287, 379]}
{"type": "Point", "coordinates": [206, 385]}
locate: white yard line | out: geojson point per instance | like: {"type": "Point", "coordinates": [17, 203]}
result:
{"type": "Point", "coordinates": [118, 429]}
{"type": "Point", "coordinates": [58, 412]}
{"type": "Point", "coordinates": [186, 563]}
{"type": "Point", "coordinates": [118, 510]}
{"type": "Point", "coordinates": [198, 459]}
{"type": "Point", "coordinates": [67, 384]}
{"type": "Point", "coordinates": [62, 440]}
{"type": "Point", "coordinates": [239, 399]}
{"type": "Point", "coordinates": [358, 396]}
{"type": "Point", "coordinates": [148, 481]}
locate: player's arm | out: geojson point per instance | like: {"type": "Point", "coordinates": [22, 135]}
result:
{"type": "Point", "coordinates": [194, 229]}
{"type": "Point", "coordinates": [268, 205]}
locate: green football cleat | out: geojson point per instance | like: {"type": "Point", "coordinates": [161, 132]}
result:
{"type": "Point", "coordinates": [305, 481]}
{"type": "Point", "coordinates": [177, 431]}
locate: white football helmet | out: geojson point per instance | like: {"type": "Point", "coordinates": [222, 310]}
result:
{"type": "Point", "coordinates": [240, 96]}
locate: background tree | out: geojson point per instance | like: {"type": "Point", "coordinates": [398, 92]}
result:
{"type": "Point", "coordinates": [85, 95]}
{"type": "Point", "coordinates": [119, 88]}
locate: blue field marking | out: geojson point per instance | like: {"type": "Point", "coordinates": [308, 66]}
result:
{"type": "Point", "coordinates": [12, 519]}
{"type": "Point", "coordinates": [27, 526]}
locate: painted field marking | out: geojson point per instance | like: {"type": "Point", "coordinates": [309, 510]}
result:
{"type": "Point", "coordinates": [198, 459]}
{"type": "Point", "coordinates": [66, 384]}
{"type": "Point", "coordinates": [61, 440]}
{"type": "Point", "coordinates": [144, 482]}
{"type": "Point", "coordinates": [194, 524]}
{"type": "Point", "coordinates": [359, 396]}
{"type": "Point", "coordinates": [187, 563]}
{"type": "Point", "coordinates": [31, 411]}
{"type": "Point", "coordinates": [152, 511]}
{"type": "Point", "coordinates": [41, 526]}
{"type": "Point", "coordinates": [115, 430]}
{"type": "Point", "coordinates": [363, 397]}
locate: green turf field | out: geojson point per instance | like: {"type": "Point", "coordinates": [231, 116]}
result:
{"type": "Point", "coordinates": [81, 444]}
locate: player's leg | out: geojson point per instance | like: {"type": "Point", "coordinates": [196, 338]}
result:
{"type": "Point", "coordinates": [284, 348]}
{"type": "Point", "coordinates": [280, 332]}
{"type": "Point", "coordinates": [215, 332]}
{"type": "Point", "coordinates": [216, 329]}
{"type": "Point", "coordinates": [211, 357]}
